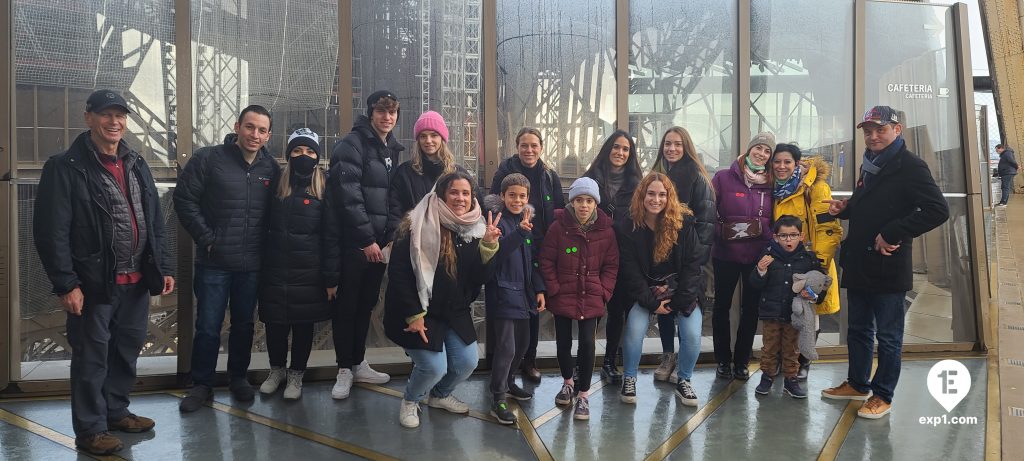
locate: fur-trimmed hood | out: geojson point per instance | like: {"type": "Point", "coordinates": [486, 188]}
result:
{"type": "Point", "coordinates": [815, 169]}
{"type": "Point", "coordinates": [495, 204]}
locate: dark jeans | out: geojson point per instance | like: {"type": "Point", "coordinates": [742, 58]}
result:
{"type": "Point", "coordinates": [584, 359]}
{"type": "Point", "coordinates": [531, 348]}
{"type": "Point", "coordinates": [105, 344]}
{"type": "Point", "coordinates": [511, 338]}
{"type": "Point", "coordinates": [618, 307]}
{"type": "Point", "coordinates": [875, 316]}
{"type": "Point", "coordinates": [727, 275]}
{"type": "Point", "coordinates": [217, 291]}
{"type": "Point", "coordinates": [358, 294]}
{"type": "Point", "coordinates": [277, 344]}
{"type": "Point", "coordinates": [1006, 185]}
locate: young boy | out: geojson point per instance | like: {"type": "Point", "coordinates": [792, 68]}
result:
{"type": "Point", "coordinates": [784, 257]}
{"type": "Point", "coordinates": [516, 289]}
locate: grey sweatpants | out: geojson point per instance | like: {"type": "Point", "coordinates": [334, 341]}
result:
{"type": "Point", "coordinates": [511, 339]}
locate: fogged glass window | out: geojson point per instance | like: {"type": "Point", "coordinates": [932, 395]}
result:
{"type": "Point", "coordinates": [682, 71]}
{"type": "Point", "coordinates": [556, 72]}
{"type": "Point", "coordinates": [801, 79]}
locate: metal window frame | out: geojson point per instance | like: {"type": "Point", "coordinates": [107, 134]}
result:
{"type": "Point", "coordinates": [8, 231]}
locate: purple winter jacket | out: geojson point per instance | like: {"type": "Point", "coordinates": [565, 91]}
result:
{"type": "Point", "coordinates": [735, 200]}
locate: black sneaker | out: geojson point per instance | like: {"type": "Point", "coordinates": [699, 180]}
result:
{"type": "Point", "coordinates": [741, 372]}
{"type": "Point", "coordinates": [685, 393]}
{"type": "Point", "coordinates": [628, 392]}
{"type": "Point", "coordinates": [794, 388]}
{"type": "Point", "coordinates": [195, 399]}
{"type": "Point", "coordinates": [518, 393]}
{"type": "Point", "coordinates": [565, 396]}
{"type": "Point", "coordinates": [610, 373]}
{"type": "Point", "coordinates": [241, 390]}
{"type": "Point", "coordinates": [805, 369]}
{"type": "Point", "coordinates": [724, 371]}
{"type": "Point", "coordinates": [500, 411]}
{"type": "Point", "coordinates": [765, 386]}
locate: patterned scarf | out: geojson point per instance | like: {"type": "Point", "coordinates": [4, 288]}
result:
{"type": "Point", "coordinates": [789, 187]}
{"type": "Point", "coordinates": [873, 163]}
{"type": "Point", "coordinates": [426, 221]}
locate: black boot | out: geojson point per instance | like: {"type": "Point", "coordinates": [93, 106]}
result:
{"type": "Point", "coordinates": [609, 372]}
{"type": "Point", "coordinates": [529, 370]}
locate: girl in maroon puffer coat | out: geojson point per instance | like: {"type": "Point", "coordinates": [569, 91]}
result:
{"type": "Point", "coordinates": [579, 260]}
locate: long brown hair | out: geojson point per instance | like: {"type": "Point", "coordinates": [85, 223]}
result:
{"type": "Point", "coordinates": [443, 153]}
{"type": "Point", "coordinates": [689, 150]}
{"type": "Point", "coordinates": [669, 221]}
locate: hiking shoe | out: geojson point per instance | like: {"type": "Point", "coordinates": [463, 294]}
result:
{"type": "Point", "coordinates": [241, 390]}
{"type": "Point", "coordinates": [518, 393]}
{"type": "Point", "coordinates": [294, 388]}
{"type": "Point", "coordinates": [99, 444]}
{"type": "Point", "coordinates": [665, 368]}
{"type": "Point", "coordinates": [565, 396]}
{"type": "Point", "coordinates": [362, 373]}
{"type": "Point", "coordinates": [844, 392]}
{"type": "Point", "coordinates": [874, 408]}
{"type": "Point", "coordinates": [449, 403]}
{"type": "Point", "coordinates": [686, 394]}
{"type": "Point", "coordinates": [805, 369]}
{"type": "Point", "coordinates": [765, 386]}
{"type": "Point", "coordinates": [343, 385]}
{"type": "Point", "coordinates": [409, 414]}
{"type": "Point", "coordinates": [582, 411]}
{"type": "Point", "coordinates": [741, 372]}
{"type": "Point", "coordinates": [610, 373]}
{"type": "Point", "coordinates": [131, 423]}
{"type": "Point", "coordinates": [628, 392]}
{"type": "Point", "coordinates": [274, 380]}
{"type": "Point", "coordinates": [724, 371]}
{"type": "Point", "coordinates": [197, 396]}
{"type": "Point", "coordinates": [794, 388]}
{"type": "Point", "coordinates": [500, 411]}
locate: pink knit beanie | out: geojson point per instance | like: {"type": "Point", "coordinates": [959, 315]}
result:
{"type": "Point", "coordinates": [433, 121]}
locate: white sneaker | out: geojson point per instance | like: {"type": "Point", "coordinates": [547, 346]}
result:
{"type": "Point", "coordinates": [364, 374]}
{"type": "Point", "coordinates": [343, 386]}
{"type": "Point", "coordinates": [274, 380]}
{"type": "Point", "coordinates": [294, 388]}
{"type": "Point", "coordinates": [449, 403]}
{"type": "Point", "coordinates": [409, 414]}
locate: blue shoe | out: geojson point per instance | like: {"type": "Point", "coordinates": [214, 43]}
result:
{"type": "Point", "coordinates": [795, 388]}
{"type": "Point", "coordinates": [765, 386]}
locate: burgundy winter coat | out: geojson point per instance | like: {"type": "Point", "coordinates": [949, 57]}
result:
{"type": "Point", "coordinates": [735, 200]}
{"type": "Point", "coordinates": [579, 269]}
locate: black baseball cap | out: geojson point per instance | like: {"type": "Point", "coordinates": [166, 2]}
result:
{"type": "Point", "coordinates": [102, 99]}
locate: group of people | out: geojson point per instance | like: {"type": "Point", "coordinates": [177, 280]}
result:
{"type": "Point", "coordinates": [301, 245]}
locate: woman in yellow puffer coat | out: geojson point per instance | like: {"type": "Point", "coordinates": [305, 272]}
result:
{"type": "Point", "coordinates": [801, 189]}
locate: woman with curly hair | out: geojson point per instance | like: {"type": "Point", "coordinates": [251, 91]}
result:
{"type": "Point", "coordinates": [660, 264]}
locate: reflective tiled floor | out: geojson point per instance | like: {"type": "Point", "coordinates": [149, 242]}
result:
{"type": "Point", "coordinates": [730, 423]}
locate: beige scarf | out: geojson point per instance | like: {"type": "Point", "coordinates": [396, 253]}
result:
{"type": "Point", "coordinates": [425, 238]}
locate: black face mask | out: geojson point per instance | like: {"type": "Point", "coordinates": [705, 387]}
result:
{"type": "Point", "coordinates": [303, 165]}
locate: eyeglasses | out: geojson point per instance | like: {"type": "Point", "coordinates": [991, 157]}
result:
{"type": "Point", "coordinates": [788, 236]}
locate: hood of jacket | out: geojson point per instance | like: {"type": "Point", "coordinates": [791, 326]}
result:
{"type": "Point", "coordinates": [495, 204]}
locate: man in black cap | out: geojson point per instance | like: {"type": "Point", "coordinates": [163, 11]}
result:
{"type": "Point", "coordinates": [99, 231]}
{"type": "Point", "coordinates": [895, 200]}
{"type": "Point", "coordinates": [358, 186]}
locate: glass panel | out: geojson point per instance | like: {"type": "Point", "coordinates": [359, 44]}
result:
{"type": "Point", "coordinates": [427, 54]}
{"type": "Point", "coordinates": [801, 89]}
{"type": "Point", "coordinates": [682, 71]}
{"type": "Point", "coordinates": [556, 72]}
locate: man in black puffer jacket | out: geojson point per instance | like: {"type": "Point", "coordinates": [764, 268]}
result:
{"type": "Point", "coordinates": [1005, 171]}
{"type": "Point", "coordinates": [222, 199]}
{"type": "Point", "coordinates": [358, 187]}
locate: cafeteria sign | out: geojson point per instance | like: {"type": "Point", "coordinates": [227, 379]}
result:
{"type": "Point", "coordinates": [917, 90]}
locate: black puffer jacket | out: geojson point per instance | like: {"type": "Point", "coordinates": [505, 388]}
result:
{"type": "Point", "coordinates": [617, 207]}
{"type": "Point", "coordinates": [68, 225]}
{"type": "Point", "coordinates": [408, 187]}
{"type": "Point", "coordinates": [776, 285]}
{"type": "Point", "coordinates": [222, 202]}
{"type": "Point", "coordinates": [695, 192]}
{"type": "Point", "coordinates": [361, 171]}
{"type": "Point", "coordinates": [545, 197]}
{"type": "Point", "coordinates": [1007, 163]}
{"type": "Point", "coordinates": [636, 260]}
{"type": "Point", "coordinates": [293, 288]}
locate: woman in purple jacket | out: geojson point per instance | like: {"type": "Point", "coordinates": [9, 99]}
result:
{"type": "Point", "coordinates": [743, 197]}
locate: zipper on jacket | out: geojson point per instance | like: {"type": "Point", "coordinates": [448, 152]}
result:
{"type": "Point", "coordinates": [106, 212]}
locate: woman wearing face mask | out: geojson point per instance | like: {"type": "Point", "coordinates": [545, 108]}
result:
{"type": "Point", "coordinates": [443, 250]}
{"type": "Point", "coordinates": [801, 190]}
{"type": "Point", "coordinates": [743, 198]}
{"type": "Point", "coordinates": [293, 295]}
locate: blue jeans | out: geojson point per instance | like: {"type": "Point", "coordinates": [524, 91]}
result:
{"type": "Point", "coordinates": [688, 329]}
{"type": "Point", "coordinates": [215, 289]}
{"type": "Point", "coordinates": [875, 316]}
{"type": "Point", "coordinates": [439, 372]}
{"type": "Point", "coordinates": [1006, 186]}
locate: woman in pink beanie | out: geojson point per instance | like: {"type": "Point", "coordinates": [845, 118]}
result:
{"type": "Point", "coordinates": [431, 158]}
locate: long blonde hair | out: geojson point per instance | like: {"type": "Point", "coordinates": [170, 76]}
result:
{"type": "Point", "coordinates": [443, 153]}
{"type": "Point", "coordinates": [669, 221]}
{"type": "Point", "coordinates": [316, 184]}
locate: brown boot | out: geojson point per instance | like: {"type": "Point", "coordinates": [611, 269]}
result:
{"type": "Point", "coordinates": [132, 423]}
{"type": "Point", "coordinates": [530, 371]}
{"type": "Point", "coordinates": [99, 444]}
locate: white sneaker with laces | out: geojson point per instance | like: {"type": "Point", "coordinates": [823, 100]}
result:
{"type": "Point", "coordinates": [409, 414]}
{"type": "Point", "coordinates": [364, 374]}
{"type": "Point", "coordinates": [294, 388]}
{"type": "Point", "coordinates": [274, 380]}
{"type": "Point", "coordinates": [449, 403]}
{"type": "Point", "coordinates": [343, 386]}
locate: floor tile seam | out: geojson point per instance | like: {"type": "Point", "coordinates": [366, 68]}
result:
{"type": "Point", "coordinates": [294, 430]}
{"type": "Point", "coordinates": [993, 421]}
{"type": "Point", "coordinates": [48, 433]}
{"type": "Point", "coordinates": [830, 450]}
{"type": "Point", "coordinates": [394, 393]}
{"type": "Point", "coordinates": [533, 439]}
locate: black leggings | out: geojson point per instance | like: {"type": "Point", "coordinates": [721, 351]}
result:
{"type": "Point", "coordinates": [618, 307]}
{"type": "Point", "coordinates": [727, 275]}
{"type": "Point", "coordinates": [585, 352]}
{"type": "Point", "coordinates": [277, 344]}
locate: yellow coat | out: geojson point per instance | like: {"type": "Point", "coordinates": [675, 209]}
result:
{"type": "Point", "coordinates": [822, 238]}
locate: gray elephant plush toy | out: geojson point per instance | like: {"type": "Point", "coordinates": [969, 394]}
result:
{"type": "Point", "coordinates": [803, 309]}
